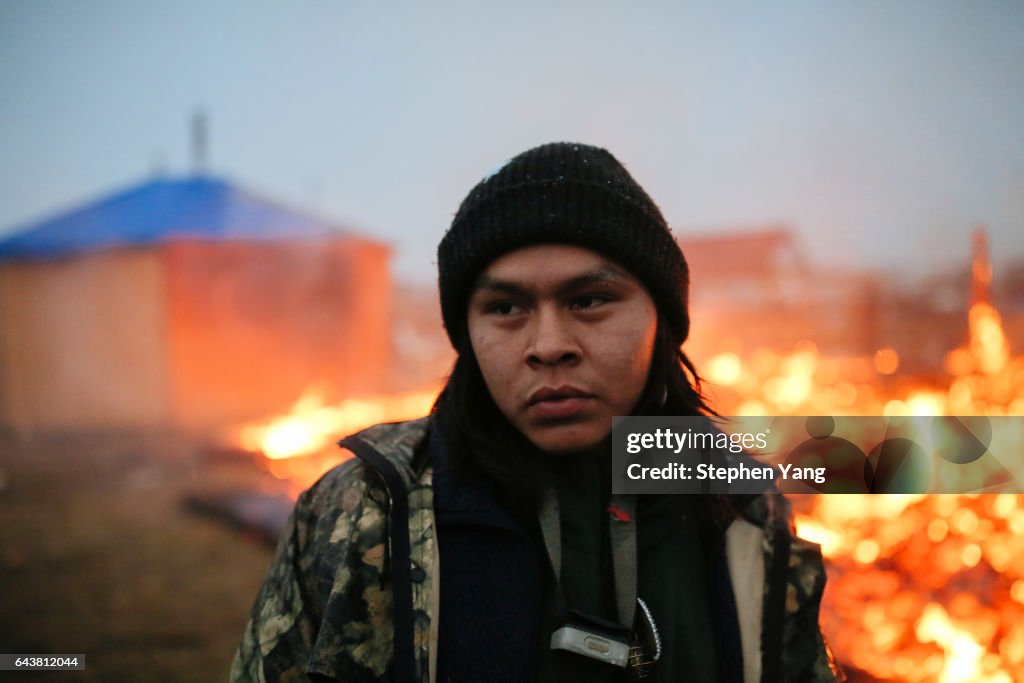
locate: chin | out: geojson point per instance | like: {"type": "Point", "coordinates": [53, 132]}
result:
{"type": "Point", "coordinates": [566, 439]}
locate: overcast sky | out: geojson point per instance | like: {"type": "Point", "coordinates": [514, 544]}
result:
{"type": "Point", "coordinates": [880, 131]}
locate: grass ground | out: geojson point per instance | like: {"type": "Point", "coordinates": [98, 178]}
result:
{"type": "Point", "coordinates": [98, 555]}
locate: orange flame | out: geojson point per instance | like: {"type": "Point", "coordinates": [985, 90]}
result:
{"type": "Point", "coordinates": [299, 447]}
{"type": "Point", "coordinates": [312, 426]}
{"type": "Point", "coordinates": [988, 344]}
{"type": "Point", "coordinates": [920, 587]}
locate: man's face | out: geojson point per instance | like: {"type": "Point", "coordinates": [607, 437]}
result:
{"type": "Point", "coordinates": [564, 338]}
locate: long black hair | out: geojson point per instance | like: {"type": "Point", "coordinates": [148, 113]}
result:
{"type": "Point", "coordinates": [482, 442]}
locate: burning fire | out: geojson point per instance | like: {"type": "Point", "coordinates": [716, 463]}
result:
{"type": "Point", "coordinates": [920, 587]}
{"type": "Point", "coordinates": [923, 588]}
{"type": "Point", "coordinates": [988, 342]}
{"type": "Point", "coordinates": [299, 447]}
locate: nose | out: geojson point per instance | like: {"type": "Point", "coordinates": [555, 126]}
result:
{"type": "Point", "coordinates": [552, 342]}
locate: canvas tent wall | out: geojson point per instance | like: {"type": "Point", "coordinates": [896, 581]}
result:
{"type": "Point", "coordinates": [185, 303]}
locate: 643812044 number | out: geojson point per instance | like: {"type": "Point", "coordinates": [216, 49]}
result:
{"type": "Point", "coordinates": [24, 662]}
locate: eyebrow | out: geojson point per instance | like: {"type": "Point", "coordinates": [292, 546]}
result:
{"type": "Point", "coordinates": [601, 274]}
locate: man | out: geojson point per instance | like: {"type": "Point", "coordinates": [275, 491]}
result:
{"type": "Point", "coordinates": [482, 543]}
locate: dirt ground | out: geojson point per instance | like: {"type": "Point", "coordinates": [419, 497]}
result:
{"type": "Point", "coordinates": [99, 555]}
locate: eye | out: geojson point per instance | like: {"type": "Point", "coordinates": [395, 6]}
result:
{"type": "Point", "coordinates": [504, 308]}
{"type": "Point", "coordinates": [589, 302]}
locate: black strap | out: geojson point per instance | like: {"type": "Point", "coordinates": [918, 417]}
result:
{"type": "Point", "coordinates": [403, 649]}
{"type": "Point", "coordinates": [624, 557]}
{"type": "Point", "coordinates": [622, 534]}
{"type": "Point", "coordinates": [775, 607]}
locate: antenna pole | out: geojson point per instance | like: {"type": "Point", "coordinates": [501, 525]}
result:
{"type": "Point", "coordinates": [199, 141]}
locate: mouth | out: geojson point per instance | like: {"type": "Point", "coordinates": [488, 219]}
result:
{"type": "Point", "coordinates": [558, 402]}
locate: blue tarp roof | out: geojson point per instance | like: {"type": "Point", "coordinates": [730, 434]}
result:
{"type": "Point", "coordinates": [161, 210]}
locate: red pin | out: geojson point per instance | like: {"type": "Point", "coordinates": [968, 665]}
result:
{"type": "Point", "coordinates": [618, 513]}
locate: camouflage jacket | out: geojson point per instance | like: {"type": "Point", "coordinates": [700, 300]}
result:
{"type": "Point", "coordinates": [341, 602]}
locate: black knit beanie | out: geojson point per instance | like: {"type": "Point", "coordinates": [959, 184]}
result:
{"type": "Point", "coordinates": [561, 193]}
